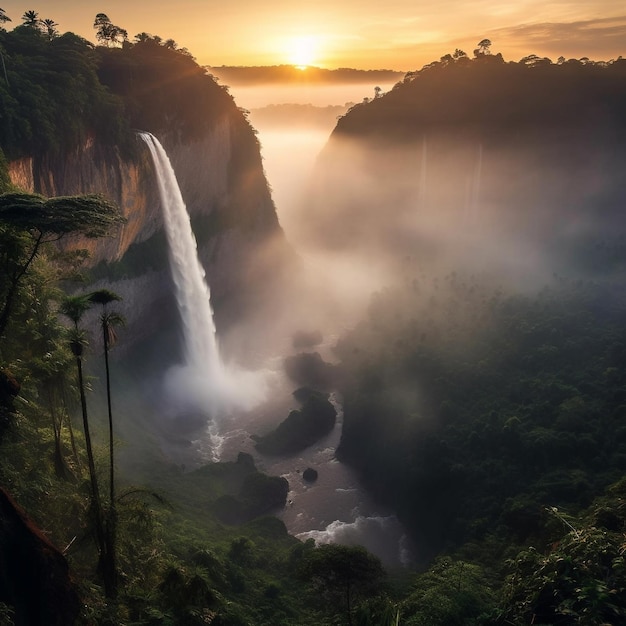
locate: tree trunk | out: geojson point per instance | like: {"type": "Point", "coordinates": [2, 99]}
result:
{"type": "Point", "coordinates": [15, 280]}
{"type": "Point", "coordinates": [111, 534]}
{"type": "Point", "coordinates": [104, 565]}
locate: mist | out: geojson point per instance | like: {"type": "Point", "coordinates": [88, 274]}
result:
{"type": "Point", "coordinates": [391, 235]}
{"type": "Point", "coordinates": [368, 214]}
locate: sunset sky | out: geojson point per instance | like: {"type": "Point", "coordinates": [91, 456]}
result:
{"type": "Point", "coordinates": [364, 34]}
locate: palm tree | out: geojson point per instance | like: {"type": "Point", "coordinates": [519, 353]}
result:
{"type": "Point", "coordinates": [31, 18]}
{"type": "Point", "coordinates": [74, 307]}
{"type": "Point", "coordinates": [4, 18]}
{"type": "Point", "coordinates": [108, 322]}
{"type": "Point", "coordinates": [49, 27]}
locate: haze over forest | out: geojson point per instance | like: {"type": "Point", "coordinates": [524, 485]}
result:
{"type": "Point", "coordinates": [296, 346]}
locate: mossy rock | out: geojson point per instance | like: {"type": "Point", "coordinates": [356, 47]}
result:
{"type": "Point", "coordinates": [258, 496]}
{"type": "Point", "coordinates": [302, 427]}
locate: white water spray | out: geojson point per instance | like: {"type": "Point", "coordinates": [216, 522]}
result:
{"type": "Point", "coordinates": [203, 385]}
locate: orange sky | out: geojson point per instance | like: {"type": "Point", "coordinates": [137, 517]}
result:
{"type": "Point", "coordinates": [365, 34]}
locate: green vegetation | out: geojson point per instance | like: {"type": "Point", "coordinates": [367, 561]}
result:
{"type": "Point", "coordinates": [470, 409]}
{"type": "Point", "coordinates": [51, 98]}
{"type": "Point", "coordinates": [29, 221]}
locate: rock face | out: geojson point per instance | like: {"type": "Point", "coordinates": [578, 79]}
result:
{"type": "Point", "coordinates": [34, 575]}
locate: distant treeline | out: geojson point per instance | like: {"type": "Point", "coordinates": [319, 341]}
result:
{"type": "Point", "coordinates": [257, 75]}
{"type": "Point", "coordinates": [298, 114]}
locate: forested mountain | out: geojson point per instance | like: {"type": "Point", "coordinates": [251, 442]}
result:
{"type": "Point", "coordinates": [481, 148]}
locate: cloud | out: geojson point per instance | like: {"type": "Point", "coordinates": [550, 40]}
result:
{"type": "Point", "coordinates": [605, 36]}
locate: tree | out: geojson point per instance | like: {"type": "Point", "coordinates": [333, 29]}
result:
{"type": "Point", "coordinates": [49, 28]}
{"type": "Point", "coordinates": [343, 572]}
{"type": "Point", "coordinates": [483, 47]}
{"type": "Point", "coordinates": [31, 19]}
{"type": "Point", "coordinates": [50, 371]}
{"type": "Point", "coordinates": [29, 221]}
{"type": "Point", "coordinates": [4, 18]}
{"type": "Point", "coordinates": [580, 579]}
{"type": "Point", "coordinates": [108, 33]}
{"type": "Point", "coordinates": [449, 593]}
{"type": "Point", "coordinates": [108, 321]}
{"type": "Point", "coordinates": [142, 37]}
{"type": "Point", "coordinates": [74, 307]}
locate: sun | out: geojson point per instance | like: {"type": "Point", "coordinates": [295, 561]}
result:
{"type": "Point", "coordinates": [303, 51]}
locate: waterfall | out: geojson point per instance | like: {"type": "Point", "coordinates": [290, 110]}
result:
{"type": "Point", "coordinates": [203, 384]}
{"type": "Point", "coordinates": [192, 291]}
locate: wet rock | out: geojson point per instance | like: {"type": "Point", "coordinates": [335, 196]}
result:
{"type": "Point", "coordinates": [310, 475]}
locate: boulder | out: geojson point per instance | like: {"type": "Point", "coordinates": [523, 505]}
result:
{"type": "Point", "coordinates": [302, 427]}
{"type": "Point", "coordinates": [310, 475]}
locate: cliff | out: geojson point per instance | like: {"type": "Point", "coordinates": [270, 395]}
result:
{"type": "Point", "coordinates": [216, 157]}
{"type": "Point", "coordinates": [471, 151]}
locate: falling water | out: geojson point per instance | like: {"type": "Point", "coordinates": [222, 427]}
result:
{"type": "Point", "coordinates": [203, 384]}
{"type": "Point", "coordinates": [192, 291]}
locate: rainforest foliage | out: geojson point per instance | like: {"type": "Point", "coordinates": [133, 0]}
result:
{"type": "Point", "coordinates": [59, 91]}
{"type": "Point", "coordinates": [487, 417]}
{"type": "Point", "coordinates": [51, 97]}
